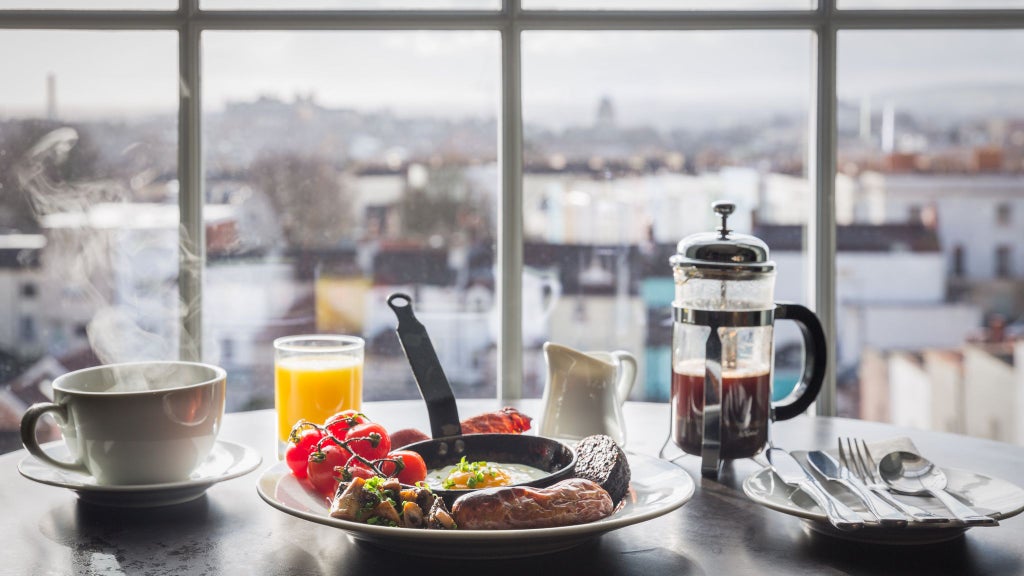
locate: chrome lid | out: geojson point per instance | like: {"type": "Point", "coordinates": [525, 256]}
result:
{"type": "Point", "coordinates": [723, 250]}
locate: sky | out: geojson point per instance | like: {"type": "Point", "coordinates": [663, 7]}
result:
{"type": "Point", "coordinates": [654, 78]}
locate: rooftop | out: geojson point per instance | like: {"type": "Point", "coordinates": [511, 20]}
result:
{"type": "Point", "coordinates": [856, 237]}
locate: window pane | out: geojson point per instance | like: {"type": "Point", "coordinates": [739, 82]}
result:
{"type": "Point", "coordinates": [626, 145]}
{"type": "Point", "coordinates": [669, 4]}
{"type": "Point", "coordinates": [344, 167]}
{"type": "Point", "coordinates": [88, 207]}
{"type": "Point", "coordinates": [351, 4]}
{"type": "Point", "coordinates": [929, 196]}
{"type": "Point", "coordinates": [89, 4]}
{"type": "Point", "coordinates": [927, 4]}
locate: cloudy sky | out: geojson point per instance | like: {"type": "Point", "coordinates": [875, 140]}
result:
{"type": "Point", "coordinates": [653, 77]}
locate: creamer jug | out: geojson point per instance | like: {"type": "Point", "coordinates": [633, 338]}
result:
{"type": "Point", "coordinates": [585, 391]}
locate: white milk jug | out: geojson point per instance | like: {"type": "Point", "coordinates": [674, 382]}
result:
{"type": "Point", "coordinates": [585, 391]}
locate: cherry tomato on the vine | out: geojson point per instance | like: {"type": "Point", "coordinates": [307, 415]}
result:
{"type": "Point", "coordinates": [353, 471]}
{"type": "Point", "coordinates": [413, 471]}
{"type": "Point", "coordinates": [302, 444]}
{"type": "Point", "coordinates": [340, 423]}
{"type": "Point", "coordinates": [320, 467]}
{"type": "Point", "coordinates": [369, 440]}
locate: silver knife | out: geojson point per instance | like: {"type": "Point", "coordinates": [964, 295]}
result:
{"type": "Point", "coordinates": [792, 473]}
{"type": "Point", "coordinates": [887, 515]}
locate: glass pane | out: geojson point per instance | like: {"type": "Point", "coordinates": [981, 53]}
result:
{"type": "Point", "coordinates": [88, 207]}
{"type": "Point", "coordinates": [930, 203]}
{"type": "Point", "coordinates": [89, 4]}
{"type": "Point", "coordinates": [669, 4]}
{"type": "Point", "coordinates": [625, 149]}
{"type": "Point", "coordinates": [927, 4]}
{"type": "Point", "coordinates": [344, 167]}
{"type": "Point", "coordinates": [351, 4]}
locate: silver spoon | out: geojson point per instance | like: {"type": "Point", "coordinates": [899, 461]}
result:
{"type": "Point", "coordinates": [909, 473]}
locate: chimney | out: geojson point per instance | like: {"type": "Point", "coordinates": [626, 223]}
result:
{"type": "Point", "coordinates": [889, 128]}
{"type": "Point", "coordinates": [51, 96]}
{"type": "Point", "coordinates": [865, 119]}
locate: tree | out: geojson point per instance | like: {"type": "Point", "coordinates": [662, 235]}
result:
{"type": "Point", "coordinates": [446, 205]}
{"type": "Point", "coordinates": [314, 205]}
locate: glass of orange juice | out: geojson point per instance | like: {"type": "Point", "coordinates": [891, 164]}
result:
{"type": "Point", "coordinates": [315, 376]}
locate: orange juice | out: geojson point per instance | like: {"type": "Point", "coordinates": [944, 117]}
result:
{"type": "Point", "coordinates": [314, 388]}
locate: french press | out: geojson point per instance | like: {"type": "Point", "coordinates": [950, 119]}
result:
{"type": "Point", "coordinates": [722, 346]}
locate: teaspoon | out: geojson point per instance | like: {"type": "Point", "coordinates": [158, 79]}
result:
{"type": "Point", "coordinates": [909, 473]}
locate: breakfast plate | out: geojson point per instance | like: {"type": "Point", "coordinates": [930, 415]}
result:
{"type": "Point", "coordinates": [227, 460]}
{"type": "Point", "coordinates": [657, 487]}
{"type": "Point", "coordinates": [989, 496]}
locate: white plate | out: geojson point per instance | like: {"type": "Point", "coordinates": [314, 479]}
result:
{"type": "Point", "coordinates": [227, 460]}
{"type": "Point", "coordinates": [990, 496]}
{"type": "Point", "coordinates": [657, 488]}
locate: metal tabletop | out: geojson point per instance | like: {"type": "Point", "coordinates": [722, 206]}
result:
{"type": "Point", "coordinates": [230, 530]}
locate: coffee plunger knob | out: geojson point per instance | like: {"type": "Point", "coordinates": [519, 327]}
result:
{"type": "Point", "coordinates": [724, 208]}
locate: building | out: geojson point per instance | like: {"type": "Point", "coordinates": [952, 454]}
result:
{"type": "Point", "coordinates": [977, 219]}
{"type": "Point", "coordinates": [21, 284]}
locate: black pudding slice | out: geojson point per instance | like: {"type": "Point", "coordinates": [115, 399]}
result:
{"type": "Point", "coordinates": [599, 459]}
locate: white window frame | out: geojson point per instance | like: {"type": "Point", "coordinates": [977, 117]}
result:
{"type": "Point", "coordinates": [824, 23]}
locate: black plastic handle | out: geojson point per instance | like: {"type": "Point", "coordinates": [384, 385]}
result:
{"type": "Point", "coordinates": [426, 369]}
{"type": "Point", "coordinates": [815, 359]}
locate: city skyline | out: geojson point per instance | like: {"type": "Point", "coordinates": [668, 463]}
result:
{"type": "Point", "coordinates": [455, 74]}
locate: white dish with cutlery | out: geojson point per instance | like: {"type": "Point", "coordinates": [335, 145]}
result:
{"type": "Point", "coordinates": [991, 497]}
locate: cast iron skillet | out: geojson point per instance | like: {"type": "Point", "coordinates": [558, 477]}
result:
{"type": "Point", "coordinates": [448, 444]}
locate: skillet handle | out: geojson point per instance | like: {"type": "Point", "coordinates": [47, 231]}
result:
{"type": "Point", "coordinates": [426, 369]}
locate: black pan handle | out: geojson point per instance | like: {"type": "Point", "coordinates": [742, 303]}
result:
{"type": "Point", "coordinates": [426, 369]}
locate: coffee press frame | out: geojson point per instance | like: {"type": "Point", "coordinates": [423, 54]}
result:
{"type": "Point", "coordinates": [741, 256]}
{"type": "Point", "coordinates": [711, 439]}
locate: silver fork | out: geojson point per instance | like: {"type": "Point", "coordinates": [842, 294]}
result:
{"type": "Point", "coordinates": [857, 458]}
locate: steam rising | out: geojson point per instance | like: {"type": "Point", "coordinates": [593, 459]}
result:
{"type": "Point", "coordinates": [114, 263]}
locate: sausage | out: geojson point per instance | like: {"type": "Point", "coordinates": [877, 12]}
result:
{"type": "Point", "coordinates": [505, 421]}
{"type": "Point", "coordinates": [572, 501]}
{"type": "Point", "coordinates": [407, 436]}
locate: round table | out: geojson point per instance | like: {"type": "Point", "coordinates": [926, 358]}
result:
{"type": "Point", "coordinates": [230, 530]}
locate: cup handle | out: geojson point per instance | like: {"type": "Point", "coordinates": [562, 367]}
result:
{"type": "Point", "coordinates": [28, 435]}
{"type": "Point", "coordinates": [627, 374]}
{"type": "Point", "coordinates": [815, 360]}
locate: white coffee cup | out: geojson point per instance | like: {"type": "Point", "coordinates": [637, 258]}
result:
{"type": "Point", "coordinates": [134, 423]}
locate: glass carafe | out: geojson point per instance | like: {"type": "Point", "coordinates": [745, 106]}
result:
{"type": "Point", "coordinates": [722, 346]}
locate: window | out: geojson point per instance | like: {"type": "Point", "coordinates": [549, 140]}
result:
{"type": "Point", "coordinates": [27, 329]}
{"type": "Point", "coordinates": [1004, 214]}
{"type": "Point", "coordinates": [349, 4]}
{"type": "Point", "coordinates": [88, 4]}
{"type": "Point", "coordinates": [1004, 261]}
{"type": "Point", "coordinates": [959, 260]}
{"type": "Point", "coordinates": [914, 213]}
{"type": "Point", "coordinates": [904, 149]}
{"type": "Point", "coordinates": [88, 163]}
{"type": "Point", "coordinates": [668, 4]}
{"type": "Point", "coordinates": [345, 166]}
{"type": "Point", "coordinates": [522, 168]}
{"type": "Point", "coordinates": [625, 148]}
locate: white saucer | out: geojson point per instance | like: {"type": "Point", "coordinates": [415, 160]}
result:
{"type": "Point", "coordinates": [990, 496]}
{"type": "Point", "coordinates": [227, 460]}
